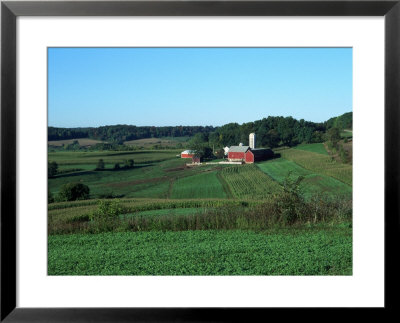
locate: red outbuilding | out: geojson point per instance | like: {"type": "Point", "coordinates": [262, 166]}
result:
{"type": "Point", "coordinates": [196, 159]}
{"type": "Point", "coordinates": [188, 154]}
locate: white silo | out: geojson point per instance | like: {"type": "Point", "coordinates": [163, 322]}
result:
{"type": "Point", "coordinates": [252, 140]}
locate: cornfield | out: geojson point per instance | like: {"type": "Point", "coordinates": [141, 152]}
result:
{"type": "Point", "coordinates": [249, 182]}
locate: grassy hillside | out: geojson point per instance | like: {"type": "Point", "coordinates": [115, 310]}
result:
{"type": "Point", "coordinates": [163, 142]}
{"type": "Point", "coordinates": [315, 148]}
{"type": "Point", "coordinates": [320, 164]}
{"type": "Point", "coordinates": [313, 182]}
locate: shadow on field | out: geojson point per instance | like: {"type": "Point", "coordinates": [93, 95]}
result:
{"type": "Point", "coordinates": [121, 169]}
{"type": "Point", "coordinates": [80, 173]}
{"type": "Point", "coordinates": [107, 170]}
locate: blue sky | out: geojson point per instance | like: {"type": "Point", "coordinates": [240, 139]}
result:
{"type": "Point", "coordinates": [196, 86]}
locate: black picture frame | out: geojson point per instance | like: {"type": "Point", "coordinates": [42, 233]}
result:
{"type": "Point", "coordinates": [10, 10]}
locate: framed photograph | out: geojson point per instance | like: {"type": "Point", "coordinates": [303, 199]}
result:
{"type": "Point", "coordinates": [181, 160]}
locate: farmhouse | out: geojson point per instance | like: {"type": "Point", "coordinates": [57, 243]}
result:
{"type": "Point", "coordinates": [188, 154]}
{"type": "Point", "coordinates": [249, 155]}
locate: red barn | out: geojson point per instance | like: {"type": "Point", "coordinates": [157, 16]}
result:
{"type": "Point", "coordinates": [188, 154]}
{"type": "Point", "coordinates": [249, 155]}
{"type": "Point", "coordinates": [237, 153]}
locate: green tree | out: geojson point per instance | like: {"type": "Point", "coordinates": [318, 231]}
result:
{"type": "Point", "coordinates": [52, 169]}
{"type": "Point", "coordinates": [272, 138]}
{"type": "Point", "coordinates": [334, 136]}
{"type": "Point", "coordinates": [116, 166]}
{"type": "Point", "coordinates": [73, 192]}
{"type": "Point", "coordinates": [100, 164]}
{"type": "Point", "coordinates": [50, 198]}
{"type": "Point", "coordinates": [344, 155]}
{"type": "Point", "coordinates": [219, 153]}
{"type": "Point", "coordinates": [199, 144]}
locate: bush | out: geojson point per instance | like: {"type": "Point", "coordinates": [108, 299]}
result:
{"type": "Point", "coordinates": [290, 204]}
{"type": "Point", "coordinates": [73, 192]}
{"type": "Point", "coordinates": [50, 198]}
{"type": "Point", "coordinates": [129, 163]}
{"type": "Point", "coordinates": [107, 210]}
{"type": "Point", "coordinates": [52, 168]}
{"type": "Point", "coordinates": [100, 165]}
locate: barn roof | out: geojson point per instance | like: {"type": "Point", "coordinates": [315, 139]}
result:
{"type": "Point", "coordinates": [238, 149]}
{"type": "Point", "coordinates": [188, 152]}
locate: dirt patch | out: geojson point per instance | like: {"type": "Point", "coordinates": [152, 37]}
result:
{"type": "Point", "coordinates": [139, 181]}
{"type": "Point", "coordinates": [84, 142]}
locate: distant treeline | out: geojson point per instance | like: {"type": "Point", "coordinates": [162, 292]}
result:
{"type": "Point", "coordinates": [121, 133]}
{"type": "Point", "coordinates": [271, 132]}
{"type": "Point", "coordinates": [67, 133]}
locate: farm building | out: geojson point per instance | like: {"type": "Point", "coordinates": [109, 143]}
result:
{"type": "Point", "coordinates": [249, 155]}
{"type": "Point", "coordinates": [188, 154]}
{"type": "Point", "coordinates": [196, 159]}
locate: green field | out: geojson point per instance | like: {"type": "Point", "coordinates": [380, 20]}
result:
{"type": "Point", "coordinates": [312, 184]}
{"type": "Point", "coordinates": [204, 185]}
{"type": "Point", "coordinates": [322, 251]}
{"type": "Point", "coordinates": [203, 220]}
{"type": "Point", "coordinates": [144, 180]}
{"type": "Point", "coordinates": [316, 148]}
{"type": "Point", "coordinates": [111, 157]}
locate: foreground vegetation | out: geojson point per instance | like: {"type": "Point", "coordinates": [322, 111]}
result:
{"type": "Point", "coordinates": [313, 251]}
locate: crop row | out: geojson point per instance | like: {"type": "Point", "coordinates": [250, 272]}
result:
{"type": "Point", "coordinates": [68, 211]}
